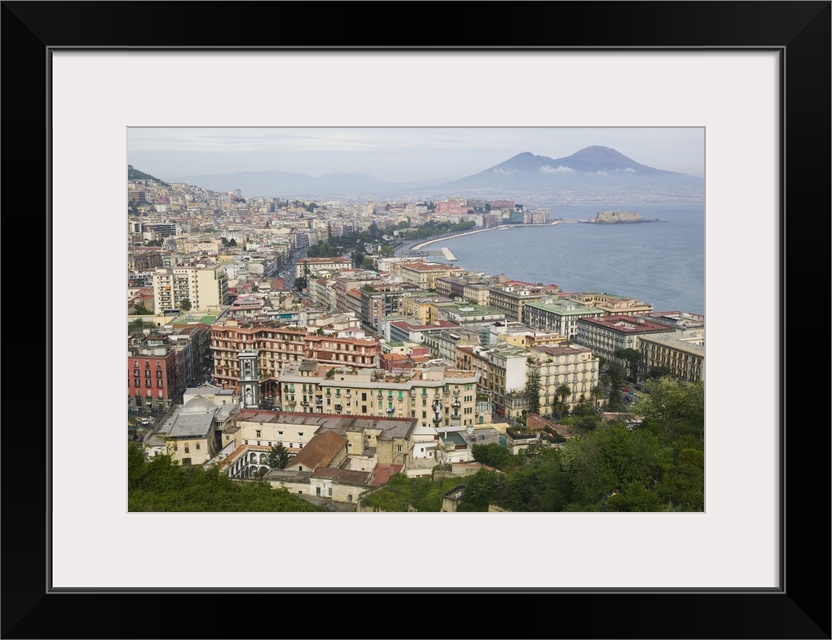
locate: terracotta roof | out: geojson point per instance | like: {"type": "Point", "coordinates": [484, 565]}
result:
{"type": "Point", "coordinates": [319, 451]}
{"type": "Point", "coordinates": [343, 475]}
{"type": "Point", "coordinates": [383, 472]}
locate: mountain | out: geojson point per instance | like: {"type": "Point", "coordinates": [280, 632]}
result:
{"type": "Point", "coordinates": [297, 185]}
{"type": "Point", "coordinates": [588, 173]}
{"type": "Point", "coordinates": [135, 174]}
{"type": "Point", "coordinates": [594, 174]}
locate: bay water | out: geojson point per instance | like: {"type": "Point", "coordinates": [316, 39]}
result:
{"type": "Point", "coordinates": [662, 263]}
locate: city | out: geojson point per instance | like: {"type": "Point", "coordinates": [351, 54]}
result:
{"type": "Point", "coordinates": [320, 348]}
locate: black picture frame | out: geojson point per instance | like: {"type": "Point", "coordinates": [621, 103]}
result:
{"type": "Point", "coordinates": [800, 31]}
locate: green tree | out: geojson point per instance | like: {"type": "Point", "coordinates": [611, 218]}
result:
{"type": "Point", "coordinates": [161, 485]}
{"type": "Point", "coordinates": [658, 372]}
{"type": "Point", "coordinates": [140, 310]}
{"type": "Point", "coordinates": [533, 388]}
{"type": "Point", "coordinates": [492, 455]}
{"type": "Point", "coordinates": [185, 304]}
{"type": "Point", "coordinates": [563, 392]}
{"type": "Point", "coordinates": [596, 393]}
{"type": "Point", "coordinates": [673, 408]}
{"type": "Point", "coordinates": [482, 489]}
{"type": "Point", "coordinates": [278, 457]}
{"type": "Point", "coordinates": [632, 357]}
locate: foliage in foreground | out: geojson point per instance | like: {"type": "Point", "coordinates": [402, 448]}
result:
{"type": "Point", "coordinates": [161, 485]}
{"type": "Point", "coordinates": [656, 466]}
{"type": "Point", "coordinates": [401, 493]}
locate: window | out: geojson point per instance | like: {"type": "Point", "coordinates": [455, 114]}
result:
{"type": "Point", "coordinates": [398, 448]}
{"type": "Point", "coordinates": [147, 373]}
{"type": "Point", "coordinates": [137, 382]}
{"type": "Point", "coordinates": [280, 433]}
{"type": "Point", "coordinates": [159, 384]}
{"type": "Point", "coordinates": [258, 433]}
{"type": "Point", "coordinates": [349, 497]}
{"type": "Point", "coordinates": [159, 373]}
{"type": "Point", "coordinates": [300, 435]}
{"type": "Point", "coordinates": [187, 449]}
{"type": "Point", "coordinates": [148, 383]}
{"type": "Point", "coordinates": [329, 492]}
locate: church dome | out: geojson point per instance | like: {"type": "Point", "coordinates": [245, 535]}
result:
{"type": "Point", "coordinates": [198, 405]}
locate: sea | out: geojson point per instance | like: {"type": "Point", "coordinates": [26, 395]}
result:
{"type": "Point", "coordinates": [661, 263]}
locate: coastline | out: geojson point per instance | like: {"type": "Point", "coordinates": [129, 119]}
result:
{"type": "Point", "coordinates": [503, 227]}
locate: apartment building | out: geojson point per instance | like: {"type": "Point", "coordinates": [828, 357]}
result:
{"type": "Point", "coordinates": [424, 274]}
{"type": "Point", "coordinates": [511, 297]}
{"type": "Point", "coordinates": [277, 345]}
{"type": "Point", "coordinates": [502, 374]}
{"type": "Point", "coordinates": [569, 365]}
{"type": "Point", "coordinates": [314, 266]}
{"type": "Point", "coordinates": [383, 300]}
{"type": "Point", "coordinates": [204, 287]}
{"type": "Point", "coordinates": [558, 316]}
{"type": "Point", "coordinates": [683, 358]}
{"type": "Point", "coordinates": [605, 335]}
{"type": "Point", "coordinates": [612, 304]}
{"type": "Point", "coordinates": [155, 370]}
{"type": "Point", "coordinates": [424, 308]}
{"type": "Point", "coordinates": [432, 395]}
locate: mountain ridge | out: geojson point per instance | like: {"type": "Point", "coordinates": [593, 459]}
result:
{"type": "Point", "coordinates": [586, 175]}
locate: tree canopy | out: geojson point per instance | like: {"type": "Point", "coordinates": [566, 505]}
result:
{"type": "Point", "coordinates": [161, 485]}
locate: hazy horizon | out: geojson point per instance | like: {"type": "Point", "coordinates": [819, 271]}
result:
{"type": "Point", "coordinates": [403, 154]}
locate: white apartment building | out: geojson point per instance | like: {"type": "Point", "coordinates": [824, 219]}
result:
{"type": "Point", "coordinates": [204, 287]}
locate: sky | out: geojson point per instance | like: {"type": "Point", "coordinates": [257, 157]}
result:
{"type": "Point", "coordinates": [407, 154]}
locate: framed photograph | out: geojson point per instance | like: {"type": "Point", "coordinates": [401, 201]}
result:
{"type": "Point", "coordinates": [755, 76]}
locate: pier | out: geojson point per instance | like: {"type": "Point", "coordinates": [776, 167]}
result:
{"type": "Point", "coordinates": [450, 257]}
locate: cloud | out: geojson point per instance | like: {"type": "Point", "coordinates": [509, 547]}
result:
{"type": "Point", "coordinates": [558, 169]}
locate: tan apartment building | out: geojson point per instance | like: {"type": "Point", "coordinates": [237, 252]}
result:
{"type": "Point", "coordinates": [424, 274]}
{"type": "Point", "coordinates": [512, 296]}
{"type": "Point", "coordinates": [612, 304]}
{"type": "Point", "coordinates": [684, 358]}
{"type": "Point", "coordinates": [435, 395]}
{"type": "Point", "coordinates": [569, 365]}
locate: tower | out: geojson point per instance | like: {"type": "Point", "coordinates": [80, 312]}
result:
{"type": "Point", "coordinates": [249, 379]}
